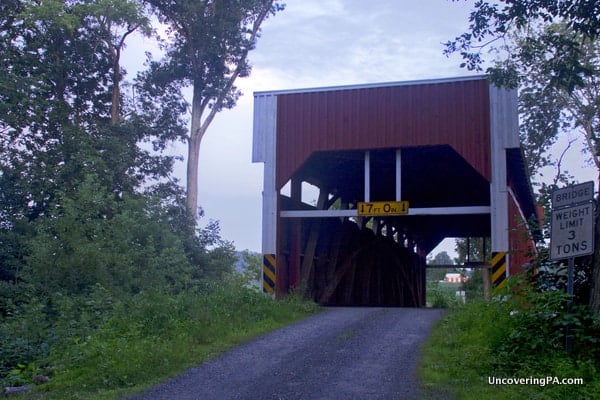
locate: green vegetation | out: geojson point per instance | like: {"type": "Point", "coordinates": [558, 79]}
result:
{"type": "Point", "coordinates": [108, 294]}
{"type": "Point", "coordinates": [442, 294]}
{"type": "Point", "coordinates": [99, 346]}
{"type": "Point", "coordinates": [518, 335]}
{"type": "Point", "coordinates": [106, 283]}
{"type": "Point", "coordinates": [550, 53]}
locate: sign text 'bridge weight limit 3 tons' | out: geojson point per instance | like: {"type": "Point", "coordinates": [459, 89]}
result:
{"type": "Point", "coordinates": [572, 232]}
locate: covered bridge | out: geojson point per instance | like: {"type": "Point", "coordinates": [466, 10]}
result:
{"type": "Point", "coordinates": [399, 167]}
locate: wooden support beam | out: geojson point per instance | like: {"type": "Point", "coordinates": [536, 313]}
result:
{"type": "Point", "coordinates": [475, 264]}
{"type": "Point", "coordinates": [376, 226]}
{"type": "Point", "coordinates": [295, 237]}
{"type": "Point", "coordinates": [398, 175]}
{"type": "Point", "coordinates": [411, 211]}
{"type": "Point", "coordinates": [311, 245]}
{"type": "Point", "coordinates": [334, 253]}
{"type": "Point", "coordinates": [331, 201]}
{"type": "Point", "coordinates": [349, 288]}
{"type": "Point", "coordinates": [344, 267]}
{"type": "Point", "coordinates": [485, 272]}
{"type": "Point", "coordinates": [367, 191]}
{"type": "Point", "coordinates": [365, 284]}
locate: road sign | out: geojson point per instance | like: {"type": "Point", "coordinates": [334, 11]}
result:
{"type": "Point", "coordinates": [572, 230]}
{"type": "Point", "coordinates": [573, 195]}
{"type": "Point", "coordinates": [378, 208]}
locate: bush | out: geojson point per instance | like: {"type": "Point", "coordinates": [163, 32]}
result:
{"type": "Point", "coordinates": [154, 335]}
{"type": "Point", "coordinates": [24, 339]}
{"type": "Point", "coordinates": [442, 295]}
{"type": "Point", "coordinates": [93, 238]}
{"type": "Point", "coordinates": [539, 322]}
{"type": "Point", "coordinates": [519, 334]}
{"type": "Point", "coordinates": [82, 268]}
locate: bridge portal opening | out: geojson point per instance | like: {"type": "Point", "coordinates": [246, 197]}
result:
{"type": "Point", "coordinates": [339, 258]}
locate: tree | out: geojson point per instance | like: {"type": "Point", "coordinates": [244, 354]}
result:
{"type": "Point", "coordinates": [90, 238]}
{"type": "Point", "coordinates": [89, 218]}
{"type": "Point", "coordinates": [252, 273]}
{"type": "Point", "coordinates": [54, 104]}
{"type": "Point", "coordinates": [438, 274]}
{"type": "Point", "coordinates": [210, 42]}
{"type": "Point", "coordinates": [472, 250]}
{"type": "Point", "coordinates": [441, 258]}
{"type": "Point", "coordinates": [115, 20]}
{"type": "Point", "coordinates": [490, 25]}
{"type": "Point", "coordinates": [71, 137]}
{"type": "Point", "coordinates": [57, 109]}
{"type": "Point", "coordinates": [550, 50]}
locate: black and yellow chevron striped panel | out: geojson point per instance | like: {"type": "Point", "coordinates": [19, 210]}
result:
{"type": "Point", "coordinates": [269, 273]}
{"type": "Point", "coordinates": [498, 269]}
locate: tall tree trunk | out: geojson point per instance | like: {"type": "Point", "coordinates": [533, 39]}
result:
{"type": "Point", "coordinates": [115, 52]}
{"type": "Point", "coordinates": [196, 132]}
{"type": "Point", "coordinates": [116, 89]}
{"type": "Point", "coordinates": [192, 175]}
{"type": "Point", "coordinates": [200, 105]}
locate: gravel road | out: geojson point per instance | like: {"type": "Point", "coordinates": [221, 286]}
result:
{"type": "Point", "coordinates": [341, 353]}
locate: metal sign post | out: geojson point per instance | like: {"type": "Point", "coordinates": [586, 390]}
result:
{"type": "Point", "coordinates": [572, 231]}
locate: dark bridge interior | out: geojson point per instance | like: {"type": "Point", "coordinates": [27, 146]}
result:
{"type": "Point", "coordinates": [432, 176]}
{"type": "Point", "coordinates": [380, 260]}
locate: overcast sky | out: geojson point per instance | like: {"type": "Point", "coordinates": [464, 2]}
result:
{"type": "Point", "coordinates": [315, 43]}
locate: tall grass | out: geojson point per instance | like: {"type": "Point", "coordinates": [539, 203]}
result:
{"type": "Point", "coordinates": [152, 336]}
{"type": "Point", "coordinates": [505, 339]}
{"type": "Point", "coordinates": [442, 294]}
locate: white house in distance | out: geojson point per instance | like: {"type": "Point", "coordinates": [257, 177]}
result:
{"type": "Point", "coordinates": [455, 277]}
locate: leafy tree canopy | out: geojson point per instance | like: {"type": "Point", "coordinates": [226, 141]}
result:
{"type": "Point", "coordinates": [550, 51]}
{"type": "Point", "coordinates": [68, 132]}
{"type": "Point", "coordinates": [210, 43]}
{"type": "Point", "coordinates": [491, 24]}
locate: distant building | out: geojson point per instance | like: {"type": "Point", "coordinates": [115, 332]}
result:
{"type": "Point", "coordinates": [455, 277]}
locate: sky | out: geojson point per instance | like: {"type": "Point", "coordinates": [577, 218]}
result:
{"type": "Point", "coordinates": [315, 43]}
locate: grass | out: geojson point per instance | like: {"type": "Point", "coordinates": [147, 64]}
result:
{"type": "Point", "coordinates": [473, 342]}
{"type": "Point", "coordinates": [154, 336]}
{"type": "Point", "coordinates": [442, 294]}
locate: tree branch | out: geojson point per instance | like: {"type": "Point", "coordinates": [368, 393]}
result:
{"type": "Point", "coordinates": [560, 159]}
{"type": "Point", "coordinates": [268, 4]}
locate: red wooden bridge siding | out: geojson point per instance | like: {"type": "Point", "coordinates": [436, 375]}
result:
{"type": "Point", "coordinates": [454, 113]}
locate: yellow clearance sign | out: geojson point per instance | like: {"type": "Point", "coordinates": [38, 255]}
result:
{"type": "Point", "coordinates": [382, 208]}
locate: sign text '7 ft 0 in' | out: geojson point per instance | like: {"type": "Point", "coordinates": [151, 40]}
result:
{"type": "Point", "coordinates": [382, 208]}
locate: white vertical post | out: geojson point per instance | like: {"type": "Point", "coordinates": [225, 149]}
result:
{"type": "Point", "coordinates": [504, 132]}
{"type": "Point", "coordinates": [367, 176]}
{"type": "Point", "coordinates": [398, 175]}
{"type": "Point", "coordinates": [263, 150]}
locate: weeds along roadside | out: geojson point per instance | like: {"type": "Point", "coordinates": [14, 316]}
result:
{"type": "Point", "coordinates": [520, 334]}
{"type": "Point", "coordinates": [102, 347]}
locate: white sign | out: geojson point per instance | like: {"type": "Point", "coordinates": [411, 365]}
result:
{"type": "Point", "coordinates": [572, 195]}
{"type": "Point", "coordinates": [572, 233]}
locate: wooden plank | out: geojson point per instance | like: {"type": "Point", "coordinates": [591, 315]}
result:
{"type": "Point", "coordinates": [311, 245]}
{"type": "Point", "coordinates": [485, 272]}
{"type": "Point", "coordinates": [353, 212]}
{"type": "Point", "coordinates": [344, 267]}
{"type": "Point", "coordinates": [465, 265]}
